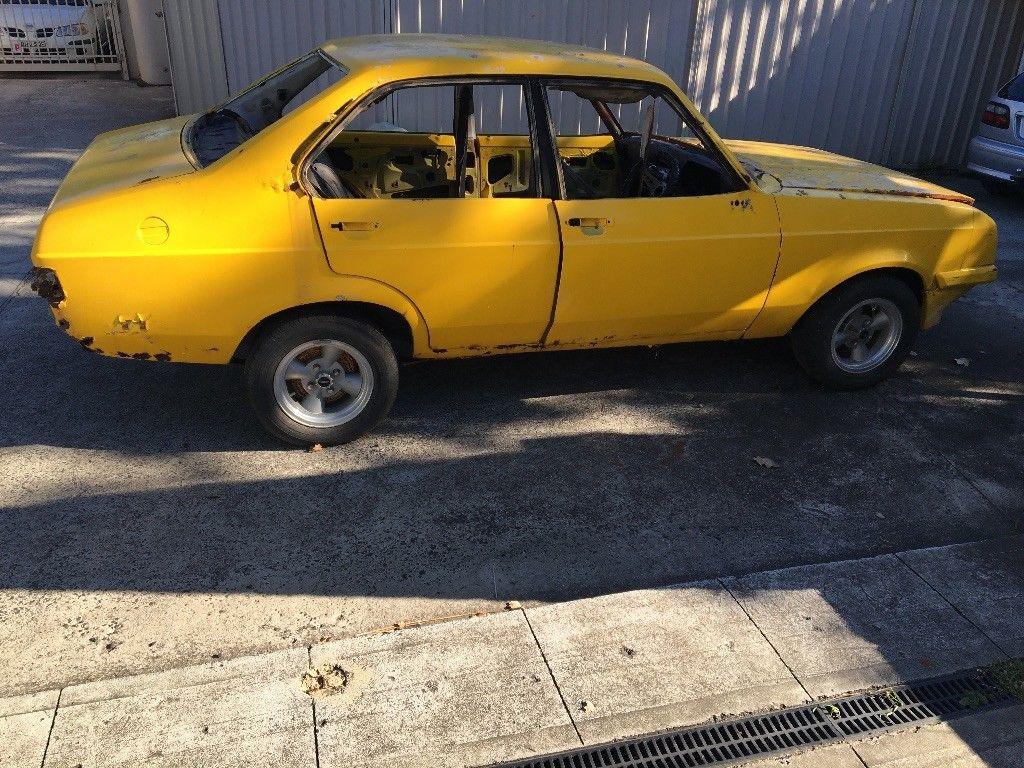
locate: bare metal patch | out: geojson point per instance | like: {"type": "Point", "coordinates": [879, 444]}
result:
{"type": "Point", "coordinates": [136, 323]}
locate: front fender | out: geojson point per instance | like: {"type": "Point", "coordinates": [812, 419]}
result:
{"type": "Point", "coordinates": [830, 238]}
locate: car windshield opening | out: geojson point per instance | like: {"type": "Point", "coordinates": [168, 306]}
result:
{"type": "Point", "coordinates": [228, 126]}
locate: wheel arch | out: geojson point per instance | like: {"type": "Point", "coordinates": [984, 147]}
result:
{"type": "Point", "coordinates": [910, 277]}
{"type": "Point", "coordinates": [393, 324]}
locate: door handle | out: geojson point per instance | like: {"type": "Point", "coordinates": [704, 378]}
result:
{"type": "Point", "coordinates": [589, 222]}
{"type": "Point", "coordinates": [355, 226]}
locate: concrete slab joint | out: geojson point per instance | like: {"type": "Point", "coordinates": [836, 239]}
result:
{"type": "Point", "coordinates": [521, 682]}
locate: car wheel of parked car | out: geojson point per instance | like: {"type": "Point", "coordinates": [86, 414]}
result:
{"type": "Point", "coordinates": [858, 334]}
{"type": "Point", "coordinates": [322, 379]}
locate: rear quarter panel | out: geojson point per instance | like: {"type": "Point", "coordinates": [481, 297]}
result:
{"type": "Point", "coordinates": [830, 237]}
{"type": "Point", "coordinates": [240, 247]}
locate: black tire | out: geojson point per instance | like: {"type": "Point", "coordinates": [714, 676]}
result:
{"type": "Point", "coordinates": [999, 188]}
{"type": "Point", "coordinates": [812, 337]}
{"type": "Point", "coordinates": [262, 364]}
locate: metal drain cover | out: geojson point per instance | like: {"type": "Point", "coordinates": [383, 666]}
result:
{"type": "Point", "coordinates": [730, 742]}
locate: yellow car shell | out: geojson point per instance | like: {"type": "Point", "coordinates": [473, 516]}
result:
{"type": "Point", "coordinates": [159, 259]}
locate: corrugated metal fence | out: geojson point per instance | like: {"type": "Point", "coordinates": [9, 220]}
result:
{"type": "Point", "coordinates": [894, 81]}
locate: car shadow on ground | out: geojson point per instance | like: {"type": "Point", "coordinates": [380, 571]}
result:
{"type": "Point", "coordinates": [539, 476]}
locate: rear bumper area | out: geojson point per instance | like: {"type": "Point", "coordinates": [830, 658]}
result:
{"type": "Point", "coordinates": [996, 159]}
{"type": "Point", "coordinates": [126, 336]}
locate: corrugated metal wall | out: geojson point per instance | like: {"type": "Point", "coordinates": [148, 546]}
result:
{"type": "Point", "coordinates": [958, 54]}
{"type": "Point", "coordinates": [822, 73]}
{"type": "Point", "coordinates": [893, 81]}
{"type": "Point", "coordinates": [261, 35]}
{"type": "Point", "coordinates": [194, 46]}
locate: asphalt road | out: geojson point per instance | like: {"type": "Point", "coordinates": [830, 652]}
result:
{"type": "Point", "coordinates": [147, 522]}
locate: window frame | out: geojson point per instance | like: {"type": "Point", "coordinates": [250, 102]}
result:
{"type": "Point", "coordinates": [657, 90]}
{"type": "Point", "coordinates": [350, 111]}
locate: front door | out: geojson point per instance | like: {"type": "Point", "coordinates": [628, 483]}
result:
{"type": "Point", "coordinates": [664, 268]}
{"type": "Point", "coordinates": [661, 241]}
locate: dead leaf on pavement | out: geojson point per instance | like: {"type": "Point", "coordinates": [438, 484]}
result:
{"type": "Point", "coordinates": [764, 461]}
{"type": "Point", "coordinates": [316, 448]}
{"type": "Point", "coordinates": [964, 361]}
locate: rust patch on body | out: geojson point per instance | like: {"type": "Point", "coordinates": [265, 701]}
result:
{"type": "Point", "coordinates": [141, 356]}
{"type": "Point", "coordinates": [163, 357]}
{"type": "Point", "coordinates": [86, 341]}
{"type": "Point", "coordinates": [135, 324]}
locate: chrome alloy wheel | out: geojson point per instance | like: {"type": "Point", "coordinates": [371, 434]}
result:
{"type": "Point", "coordinates": [323, 383]}
{"type": "Point", "coordinates": [867, 335]}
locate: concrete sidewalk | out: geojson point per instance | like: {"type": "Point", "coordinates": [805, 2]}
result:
{"type": "Point", "coordinates": [522, 682]}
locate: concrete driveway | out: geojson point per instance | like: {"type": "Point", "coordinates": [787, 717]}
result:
{"type": "Point", "coordinates": [147, 522]}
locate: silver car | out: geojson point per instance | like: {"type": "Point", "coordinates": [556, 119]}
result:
{"type": "Point", "coordinates": [996, 152]}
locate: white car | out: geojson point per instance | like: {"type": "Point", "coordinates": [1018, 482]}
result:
{"type": "Point", "coordinates": [36, 30]}
{"type": "Point", "coordinates": [996, 152]}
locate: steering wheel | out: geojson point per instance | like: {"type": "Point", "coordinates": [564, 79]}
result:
{"type": "Point", "coordinates": [660, 175]}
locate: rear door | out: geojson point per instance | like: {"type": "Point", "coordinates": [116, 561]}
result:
{"type": "Point", "coordinates": [442, 202]}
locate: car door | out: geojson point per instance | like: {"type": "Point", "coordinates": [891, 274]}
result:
{"type": "Point", "coordinates": [660, 268]}
{"type": "Point", "coordinates": [478, 260]}
{"type": "Point", "coordinates": [664, 268]}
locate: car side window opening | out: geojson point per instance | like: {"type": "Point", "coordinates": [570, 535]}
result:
{"type": "Point", "coordinates": [468, 140]}
{"type": "Point", "coordinates": [622, 140]}
{"type": "Point", "coordinates": [231, 124]}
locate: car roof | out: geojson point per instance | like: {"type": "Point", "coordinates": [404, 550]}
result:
{"type": "Point", "coordinates": [440, 55]}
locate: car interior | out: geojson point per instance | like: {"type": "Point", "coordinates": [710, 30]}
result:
{"type": "Point", "coordinates": [645, 147]}
{"type": "Point", "coordinates": [385, 159]}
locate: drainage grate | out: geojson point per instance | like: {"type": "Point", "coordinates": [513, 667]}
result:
{"type": "Point", "coordinates": [731, 742]}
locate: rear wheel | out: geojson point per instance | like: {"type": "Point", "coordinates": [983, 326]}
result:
{"type": "Point", "coordinates": [859, 334]}
{"type": "Point", "coordinates": [322, 379]}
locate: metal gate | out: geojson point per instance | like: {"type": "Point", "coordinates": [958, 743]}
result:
{"type": "Point", "coordinates": [60, 35]}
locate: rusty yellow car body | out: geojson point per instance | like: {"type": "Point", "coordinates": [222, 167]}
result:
{"type": "Point", "coordinates": [158, 258]}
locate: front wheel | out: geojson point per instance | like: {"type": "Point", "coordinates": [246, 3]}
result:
{"type": "Point", "coordinates": [322, 379]}
{"type": "Point", "coordinates": [859, 334]}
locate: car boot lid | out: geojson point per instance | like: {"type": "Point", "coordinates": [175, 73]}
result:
{"type": "Point", "coordinates": [127, 157]}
